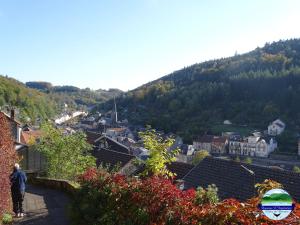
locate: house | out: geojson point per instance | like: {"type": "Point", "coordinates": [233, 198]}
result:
{"type": "Point", "coordinates": [219, 145]}
{"type": "Point", "coordinates": [16, 131]}
{"type": "Point", "coordinates": [119, 133]}
{"type": "Point", "coordinates": [107, 143]}
{"type": "Point", "coordinates": [180, 169]}
{"type": "Point", "coordinates": [252, 146]}
{"type": "Point", "coordinates": [30, 136]}
{"type": "Point", "coordinates": [88, 124]}
{"type": "Point", "coordinates": [32, 160]}
{"type": "Point", "coordinates": [186, 153]}
{"type": "Point", "coordinates": [116, 132]}
{"type": "Point", "coordinates": [15, 126]}
{"type": "Point", "coordinates": [235, 181]}
{"type": "Point", "coordinates": [178, 142]}
{"type": "Point", "coordinates": [91, 137]}
{"type": "Point", "coordinates": [125, 162]}
{"type": "Point", "coordinates": [128, 142]}
{"type": "Point", "coordinates": [276, 127]}
{"type": "Point", "coordinates": [203, 143]}
{"type": "Point", "coordinates": [212, 144]}
{"type": "Point", "coordinates": [111, 158]}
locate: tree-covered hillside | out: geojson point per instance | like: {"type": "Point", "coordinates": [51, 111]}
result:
{"type": "Point", "coordinates": [75, 97]}
{"type": "Point", "coordinates": [249, 90]}
{"type": "Point", "coordinates": [41, 100]}
{"type": "Point", "coordinates": [29, 103]}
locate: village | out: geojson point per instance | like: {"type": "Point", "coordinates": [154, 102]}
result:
{"type": "Point", "coordinates": [106, 132]}
{"type": "Point", "coordinates": [116, 145]}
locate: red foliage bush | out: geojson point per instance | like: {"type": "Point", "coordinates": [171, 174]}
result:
{"type": "Point", "coordinates": [114, 199]}
{"type": "Point", "coordinates": [8, 157]}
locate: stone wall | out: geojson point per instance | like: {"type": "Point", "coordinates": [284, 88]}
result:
{"type": "Point", "coordinates": [62, 185]}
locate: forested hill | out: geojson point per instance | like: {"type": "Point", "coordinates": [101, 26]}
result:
{"type": "Point", "coordinates": [250, 89]}
{"type": "Point", "coordinates": [30, 104]}
{"type": "Point", "coordinates": [74, 96]}
{"type": "Point", "coordinates": [41, 100]}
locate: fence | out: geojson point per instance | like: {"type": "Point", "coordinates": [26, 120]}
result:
{"type": "Point", "coordinates": [32, 160]}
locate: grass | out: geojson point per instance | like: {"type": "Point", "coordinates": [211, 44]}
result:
{"type": "Point", "coordinates": [243, 130]}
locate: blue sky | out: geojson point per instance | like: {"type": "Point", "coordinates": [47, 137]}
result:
{"type": "Point", "coordinates": [126, 43]}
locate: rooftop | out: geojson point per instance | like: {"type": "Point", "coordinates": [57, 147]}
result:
{"type": "Point", "coordinates": [233, 181]}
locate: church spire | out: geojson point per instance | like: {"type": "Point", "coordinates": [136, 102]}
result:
{"type": "Point", "coordinates": [116, 113]}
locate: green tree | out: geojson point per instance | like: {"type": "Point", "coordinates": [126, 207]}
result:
{"type": "Point", "coordinates": [296, 169]}
{"type": "Point", "coordinates": [248, 160]}
{"type": "Point", "coordinates": [199, 156]}
{"type": "Point", "coordinates": [67, 155]}
{"type": "Point", "coordinates": [159, 153]}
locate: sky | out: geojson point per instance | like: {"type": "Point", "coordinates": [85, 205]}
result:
{"type": "Point", "coordinates": [126, 43]}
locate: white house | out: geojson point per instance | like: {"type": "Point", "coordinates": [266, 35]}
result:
{"type": "Point", "coordinates": [276, 127]}
{"type": "Point", "coordinates": [253, 146]}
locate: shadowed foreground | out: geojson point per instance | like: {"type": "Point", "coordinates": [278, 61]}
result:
{"type": "Point", "coordinates": [44, 207]}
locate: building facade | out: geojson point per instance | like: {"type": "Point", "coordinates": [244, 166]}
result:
{"type": "Point", "coordinates": [252, 146]}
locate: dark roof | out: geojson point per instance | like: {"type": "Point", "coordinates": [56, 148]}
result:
{"type": "Point", "coordinates": [279, 124]}
{"type": "Point", "coordinates": [87, 122]}
{"type": "Point", "coordinates": [91, 137]}
{"type": "Point", "coordinates": [180, 168]}
{"type": "Point", "coordinates": [234, 181]}
{"type": "Point", "coordinates": [112, 158]}
{"type": "Point", "coordinates": [114, 145]}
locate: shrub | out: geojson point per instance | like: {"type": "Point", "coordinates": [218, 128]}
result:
{"type": "Point", "coordinates": [8, 157]}
{"type": "Point", "coordinates": [207, 196]}
{"type": "Point", "coordinates": [110, 198]}
{"type": "Point", "coordinates": [199, 156]}
{"type": "Point", "coordinates": [266, 186]}
{"type": "Point", "coordinates": [248, 160]}
{"type": "Point", "coordinates": [7, 218]}
{"type": "Point", "coordinates": [296, 169]}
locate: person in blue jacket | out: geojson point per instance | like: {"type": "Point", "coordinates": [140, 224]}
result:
{"type": "Point", "coordinates": [18, 180]}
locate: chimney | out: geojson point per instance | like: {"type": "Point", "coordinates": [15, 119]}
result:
{"type": "Point", "coordinates": [12, 114]}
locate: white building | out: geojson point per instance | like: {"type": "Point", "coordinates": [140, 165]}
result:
{"type": "Point", "coordinates": [253, 146]}
{"type": "Point", "coordinates": [276, 127]}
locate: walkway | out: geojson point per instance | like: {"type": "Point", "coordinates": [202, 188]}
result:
{"type": "Point", "coordinates": [44, 207]}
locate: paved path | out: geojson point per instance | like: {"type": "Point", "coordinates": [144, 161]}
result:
{"type": "Point", "coordinates": [44, 207]}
